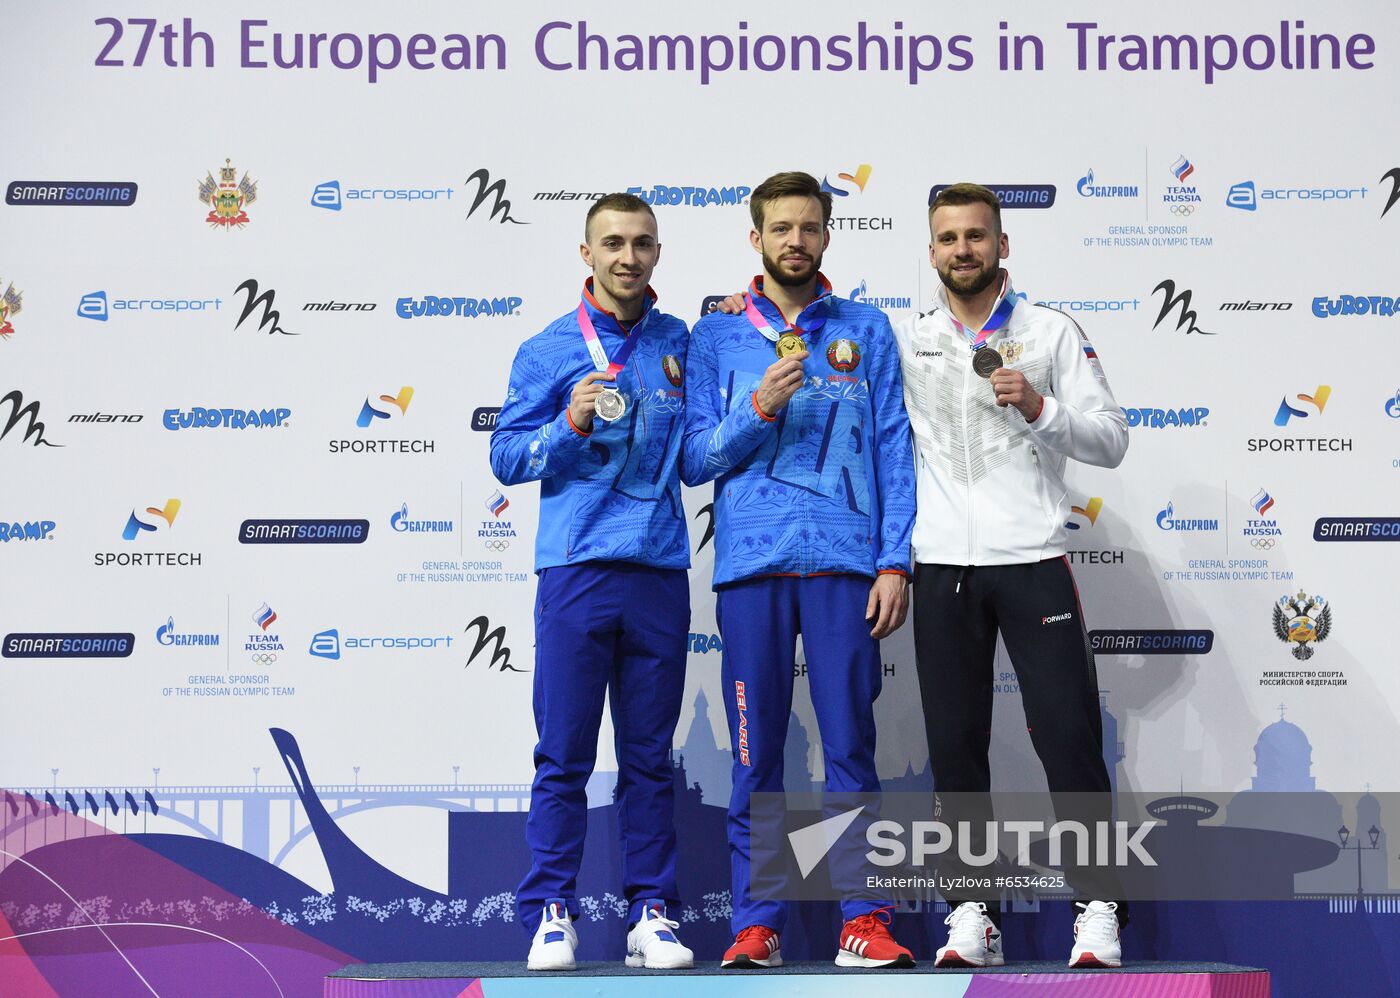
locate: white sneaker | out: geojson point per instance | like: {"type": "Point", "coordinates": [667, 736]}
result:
{"type": "Point", "coordinates": [1096, 941]}
{"type": "Point", "coordinates": [555, 940]}
{"type": "Point", "coordinates": [652, 943]}
{"type": "Point", "coordinates": [973, 939]}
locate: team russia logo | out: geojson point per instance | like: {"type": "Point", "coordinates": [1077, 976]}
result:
{"type": "Point", "coordinates": [843, 355]}
{"type": "Point", "coordinates": [672, 367]}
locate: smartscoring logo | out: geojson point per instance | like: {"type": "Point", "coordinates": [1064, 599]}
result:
{"type": "Point", "coordinates": [1157, 419]}
{"type": "Point", "coordinates": [200, 418]}
{"type": "Point", "coordinates": [462, 308]}
{"type": "Point", "coordinates": [484, 418]}
{"type": "Point", "coordinates": [1357, 528]}
{"type": "Point", "coordinates": [1087, 188]}
{"type": "Point", "coordinates": [303, 531]}
{"type": "Point", "coordinates": [329, 195]}
{"type": "Point", "coordinates": [68, 645]}
{"type": "Point", "coordinates": [1374, 305]}
{"type": "Point", "coordinates": [95, 305]}
{"type": "Point", "coordinates": [329, 643]}
{"type": "Point", "coordinates": [31, 530]}
{"type": "Point", "coordinates": [1167, 520]}
{"type": "Point", "coordinates": [72, 193]}
{"type": "Point", "coordinates": [1152, 642]}
{"type": "Point", "coordinates": [1011, 195]}
{"type": "Point", "coordinates": [168, 637]}
{"type": "Point", "coordinates": [402, 523]}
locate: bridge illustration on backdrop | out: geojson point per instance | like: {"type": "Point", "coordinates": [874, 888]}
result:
{"type": "Point", "coordinates": [257, 813]}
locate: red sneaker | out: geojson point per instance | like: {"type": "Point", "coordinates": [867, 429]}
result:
{"type": "Point", "coordinates": [756, 946]}
{"type": "Point", "coordinates": [866, 942]}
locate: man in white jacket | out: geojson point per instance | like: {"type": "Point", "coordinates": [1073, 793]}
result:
{"type": "Point", "coordinates": [1000, 394]}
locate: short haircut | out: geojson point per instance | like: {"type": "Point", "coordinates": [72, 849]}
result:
{"type": "Point", "coordinates": [615, 202]}
{"type": "Point", "coordinates": [960, 194]}
{"type": "Point", "coordinates": [784, 185]}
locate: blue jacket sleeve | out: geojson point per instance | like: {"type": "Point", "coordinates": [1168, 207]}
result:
{"type": "Point", "coordinates": [534, 438]}
{"type": "Point", "coordinates": [714, 443]}
{"type": "Point", "coordinates": [893, 454]}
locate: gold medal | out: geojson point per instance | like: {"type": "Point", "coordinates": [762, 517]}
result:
{"type": "Point", "coordinates": [789, 343]}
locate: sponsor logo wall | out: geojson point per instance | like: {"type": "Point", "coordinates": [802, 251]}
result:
{"type": "Point", "coordinates": [245, 422]}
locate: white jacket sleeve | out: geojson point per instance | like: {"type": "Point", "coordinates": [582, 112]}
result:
{"type": "Point", "coordinates": [1081, 419]}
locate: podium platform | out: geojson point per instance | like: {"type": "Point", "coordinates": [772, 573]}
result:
{"type": "Point", "coordinates": [1018, 980]}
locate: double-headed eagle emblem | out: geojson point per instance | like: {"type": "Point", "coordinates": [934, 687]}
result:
{"type": "Point", "coordinates": [1302, 620]}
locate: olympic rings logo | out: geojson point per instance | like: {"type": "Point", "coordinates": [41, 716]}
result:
{"type": "Point", "coordinates": [1262, 543]}
{"type": "Point", "coordinates": [263, 658]}
{"type": "Point", "coordinates": [1182, 209]}
{"type": "Point", "coordinates": [496, 545]}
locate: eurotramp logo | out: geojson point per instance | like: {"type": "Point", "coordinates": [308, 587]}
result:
{"type": "Point", "coordinates": [29, 530]}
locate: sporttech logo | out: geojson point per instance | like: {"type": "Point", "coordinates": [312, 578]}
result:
{"type": "Point", "coordinates": [378, 409]}
{"type": "Point", "coordinates": [859, 178]}
{"type": "Point", "coordinates": [1317, 399]}
{"type": "Point", "coordinates": [1170, 300]}
{"type": "Point", "coordinates": [151, 519]}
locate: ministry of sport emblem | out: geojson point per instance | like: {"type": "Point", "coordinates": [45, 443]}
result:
{"type": "Point", "coordinates": [672, 367]}
{"type": "Point", "coordinates": [1011, 351]}
{"type": "Point", "coordinates": [1302, 620]}
{"type": "Point", "coordinates": [228, 198]}
{"type": "Point", "coordinates": [10, 306]}
{"type": "Point", "coordinates": [843, 355]}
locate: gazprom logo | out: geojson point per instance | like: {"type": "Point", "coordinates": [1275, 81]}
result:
{"type": "Point", "coordinates": [326, 195]}
{"type": "Point", "coordinates": [1242, 196]}
{"type": "Point", "coordinates": [93, 305]}
{"type": "Point", "coordinates": [326, 644]}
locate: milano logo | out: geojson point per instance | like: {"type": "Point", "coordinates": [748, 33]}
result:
{"type": "Point", "coordinates": [270, 319]}
{"type": "Point", "coordinates": [1393, 175]}
{"type": "Point", "coordinates": [19, 412]}
{"type": "Point", "coordinates": [500, 207]}
{"type": "Point", "coordinates": [500, 656]}
{"type": "Point", "coordinates": [1186, 317]}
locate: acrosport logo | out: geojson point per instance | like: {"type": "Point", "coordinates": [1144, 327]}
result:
{"type": "Point", "coordinates": [329, 195]}
{"type": "Point", "coordinates": [329, 644]}
{"type": "Point", "coordinates": [95, 305]}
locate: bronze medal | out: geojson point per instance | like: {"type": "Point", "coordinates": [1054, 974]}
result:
{"type": "Point", "coordinates": [985, 361]}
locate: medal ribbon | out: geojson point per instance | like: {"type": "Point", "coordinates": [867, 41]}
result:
{"type": "Point", "coordinates": [595, 345]}
{"type": "Point", "coordinates": [771, 330]}
{"type": "Point", "coordinates": [998, 318]}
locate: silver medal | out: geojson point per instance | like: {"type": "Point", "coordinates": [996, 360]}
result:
{"type": "Point", "coordinates": [610, 405]}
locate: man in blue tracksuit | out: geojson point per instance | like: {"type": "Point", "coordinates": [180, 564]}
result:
{"type": "Point", "coordinates": [795, 409]}
{"type": "Point", "coordinates": [595, 413]}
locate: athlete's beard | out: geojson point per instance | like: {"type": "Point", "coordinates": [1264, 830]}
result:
{"type": "Point", "coordinates": [971, 285]}
{"type": "Point", "coordinates": [787, 279]}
